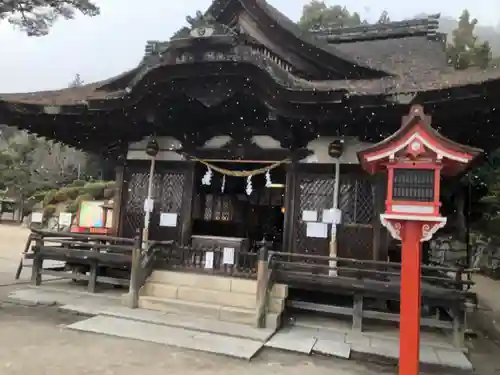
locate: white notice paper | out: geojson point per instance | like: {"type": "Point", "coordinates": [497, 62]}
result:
{"type": "Point", "coordinates": [36, 217]}
{"type": "Point", "coordinates": [65, 219]}
{"type": "Point", "coordinates": [149, 205]}
{"type": "Point", "coordinates": [168, 219]}
{"type": "Point", "coordinates": [228, 256]}
{"type": "Point", "coordinates": [309, 216]}
{"type": "Point", "coordinates": [209, 259]}
{"type": "Point", "coordinates": [317, 230]}
{"type": "Point", "coordinates": [332, 216]}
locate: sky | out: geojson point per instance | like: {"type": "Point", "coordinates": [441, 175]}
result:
{"type": "Point", "coordinates": [101, 47]}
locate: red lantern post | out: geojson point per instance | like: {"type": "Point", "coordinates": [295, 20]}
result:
{"type": "Point", "coordinates": [414, 159]}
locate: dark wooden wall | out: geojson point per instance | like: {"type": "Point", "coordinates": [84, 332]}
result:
{"type": "Point", "coordinates": [308, 187]}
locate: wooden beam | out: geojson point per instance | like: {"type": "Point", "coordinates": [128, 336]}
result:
{"type": "Point", "coordinates": [379, 252]}
{"type": "Point", "coordinates": [254, 154]}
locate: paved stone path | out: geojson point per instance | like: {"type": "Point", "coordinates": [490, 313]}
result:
{"type": "Point", "coordinates": [197, 333]}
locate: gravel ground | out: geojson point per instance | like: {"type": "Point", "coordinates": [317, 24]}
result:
{"type": "Point", "coordinates": [33, 341]}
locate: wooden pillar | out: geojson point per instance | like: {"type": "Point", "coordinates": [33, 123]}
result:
{"type": "Point", "coordinates": [187, 204]}
{"type": "Point", "coordinates": [135, 273]}
{"type": "Point", "coordinates": [288, 217]}
{"type": "Point", "coordinates": [37, 267]}
{"type": "Point", "coordinates": [357, 313]}
{"type": "Point", "coordinates": [262, 286]}
{"type": "Point", "coordinates": [118, 197]}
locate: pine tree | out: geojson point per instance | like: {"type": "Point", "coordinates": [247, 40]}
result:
{"type": "Point", "coordinates": [318, 15]}
{"type": "Point", "coordinates": [465, 50]}
{"type": "Point", "coordinates": [35, 17]}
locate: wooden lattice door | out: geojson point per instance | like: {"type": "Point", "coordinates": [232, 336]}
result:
{"type": "Point", "coordinates": [168, 186]}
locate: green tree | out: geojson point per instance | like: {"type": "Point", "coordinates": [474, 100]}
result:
{"type": "Point", "coordinates": [35, 17]}
{"type": "Point", "coordinates": [317, 15]}
{"type": "Point", "coordinates": [465, 50]}
{"type": "Point", "coordinates": [16, 168]}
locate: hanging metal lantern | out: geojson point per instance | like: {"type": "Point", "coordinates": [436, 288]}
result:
{"type": "Point", "coordinates": [336, 148]}
{"type": "Point", "coordinates": [152, 148]}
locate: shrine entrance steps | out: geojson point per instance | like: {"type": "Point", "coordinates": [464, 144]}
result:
{"type": "Point", "coordinates": [226, 299]}
{"type": "Point", "coordinates": [105, 314]}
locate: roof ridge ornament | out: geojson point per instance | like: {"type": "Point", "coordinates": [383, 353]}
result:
{"type": "Point", "coordinates": [426, 26]}
{"type": "Point", "coordinates": [416, 114]}
{"type": "Point", "coordinates": [205, 25]}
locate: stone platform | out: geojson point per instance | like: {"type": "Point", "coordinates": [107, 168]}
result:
{"type": "Point", "coordinates": [303, 335]}
{"type": "Point", "coordinates": [332, 337]}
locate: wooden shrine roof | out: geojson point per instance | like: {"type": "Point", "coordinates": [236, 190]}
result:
{"type": "Point", "coordinates": [424, 81]}
{"type": "Point", "coordinates": [396, 58]}
{"type": "Point", "coordinates": [249, 48]}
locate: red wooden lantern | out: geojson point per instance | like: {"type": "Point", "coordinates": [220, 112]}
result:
{"type": "Point", "coordinates": [414, 158]}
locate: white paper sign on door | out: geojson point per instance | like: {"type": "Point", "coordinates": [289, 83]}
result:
{"type": "Point", "coordinates": [317, 230]}
{"type": "Point", "coordinates": [209, 260]}
{"type": "Point", "coordinates": [168, 219]}
{"type": "Point", "coordinates": [228, 256]}
{"type": "Point", "coordinates": [309, 215]}
{"type": "Point", "coordinates": [65, 219]}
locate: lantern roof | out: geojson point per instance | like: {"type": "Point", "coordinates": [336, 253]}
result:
{"type": "Point", "coordinates": [416, 139]}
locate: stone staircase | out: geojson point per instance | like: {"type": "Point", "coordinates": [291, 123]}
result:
{"type": "Point", "coordinates": [227, 299]}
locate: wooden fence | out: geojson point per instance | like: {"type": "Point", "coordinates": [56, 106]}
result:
{"type": "Point", "coordinates": [446, 288]}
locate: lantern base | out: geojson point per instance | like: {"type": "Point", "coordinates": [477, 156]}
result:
{"type": "Point", "coordinates": [429, 224]}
